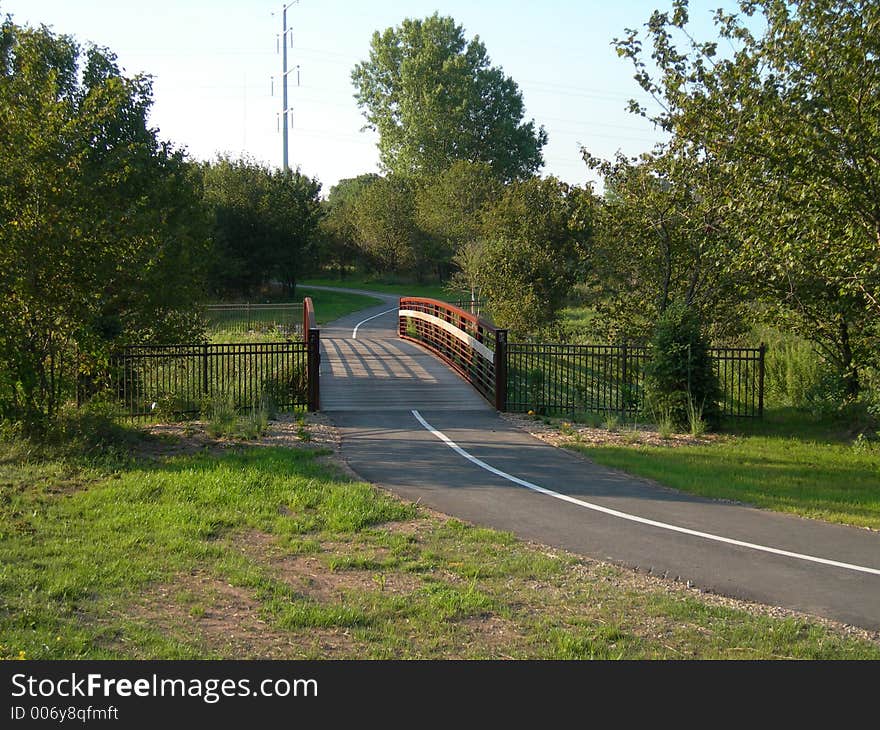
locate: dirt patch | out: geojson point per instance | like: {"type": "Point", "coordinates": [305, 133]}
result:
{"type": "Point", "coordinates": [410, 528]}
{"type": "Point", "coordinates": [492, 634]}
{"type": "Point", "coordinates": [224, 618]}
{"type": "Point", "coordinates": [310, 576]}
{"type": "Point", "coordinates": [560, 432]}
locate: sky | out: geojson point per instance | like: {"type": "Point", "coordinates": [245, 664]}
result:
{"type": "Point", "coordinates": [212, 65]}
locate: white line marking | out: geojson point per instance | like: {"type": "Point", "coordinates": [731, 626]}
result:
{"type": "Point", "coordinates": [633, 518]}
{"type": "Point", "coordinates": [354, 332]}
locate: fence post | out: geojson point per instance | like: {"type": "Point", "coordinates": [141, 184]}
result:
{"type": "Point", "coordinates": [762, 350]}
{"type": "Point", "coordinates": [205, 369]}
{"type": "Point", "coordinates": [624, 389]}
{"type": "Point", "coordinates": [501, 370]}
{"type": "Point", "coordinates": [314, 369]}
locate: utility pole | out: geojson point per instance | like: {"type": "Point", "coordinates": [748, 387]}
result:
{"type": "Point", "coordinates": [285, 109]}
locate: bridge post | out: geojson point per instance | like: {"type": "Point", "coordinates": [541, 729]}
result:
{"type": "Point", "coordinates": [313, 359]}
{"type": "Point", "coordinates": [501, 370]}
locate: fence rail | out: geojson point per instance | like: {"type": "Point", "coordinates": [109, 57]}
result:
{"type": "Point", "coordinates": [468, 344]}
{"type": "Point", "coordinates": [285, 318]}
{"type": "Point", "coordinates": [570, 379]}
{"type": "Point", "coordinates": [180, 380]}
{"type": "Point", "coordinates": [164, 380]}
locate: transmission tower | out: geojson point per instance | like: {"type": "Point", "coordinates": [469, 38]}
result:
{"type": "Point", "coordinates": [281, 45]}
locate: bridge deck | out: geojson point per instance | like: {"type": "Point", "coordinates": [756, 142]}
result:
{"type": "Point", "coordinates": [379, 372]}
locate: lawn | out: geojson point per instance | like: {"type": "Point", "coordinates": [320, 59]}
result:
{"type": "Point", "coordinates": [253, 551]}
{"type": "Point", "coordinates": [788, 463]}
{"type": "Point", "coordinates": [330, 306]}
{"type": "Point", "coordinates": [389, 286]}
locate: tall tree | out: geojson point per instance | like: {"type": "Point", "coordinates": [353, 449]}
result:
{"type": "Point", "coordinates": [337, 241]}
{"type": "Point", "coordinates": [387, 232]}
{"type": "Point", "coordinates": [100, 236]}
{"type": "Point", "coordinates": [661, 237]}
{"type": "Point", "coordinates": [264, 224]}
{"type": "Point", "coordinates": [434, 98]}
{"type": "Point", "coordinates": [792, 113]}
{"type": "Point", "coordinates": [536, 243]}
{"type": "Point", "coordinates": [450, 207]}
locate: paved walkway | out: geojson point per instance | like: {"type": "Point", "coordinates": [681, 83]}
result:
{"type": "Point", "coordinates": [372, 384]}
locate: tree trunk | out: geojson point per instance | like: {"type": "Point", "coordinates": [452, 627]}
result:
{"type": "Point", "coordinates": [850, 371]}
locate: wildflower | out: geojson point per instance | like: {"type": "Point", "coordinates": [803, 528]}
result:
{"type": "Point", "coordinates": [21, 655]}
{"type": "Point", "coordinates": [531, 413]}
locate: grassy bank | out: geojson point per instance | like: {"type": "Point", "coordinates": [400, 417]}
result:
{"type": "Point", "coordinates": [330, 306]}
{"type": "Point", "coordinates": [237, 551]}
{"type": "Point", "coordinates": [788, 463]}
{"type": "Point", "coordinates": [388, 286]}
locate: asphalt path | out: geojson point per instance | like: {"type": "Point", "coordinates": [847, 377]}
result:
{"type": "Point", "coordinates": [412, 426]}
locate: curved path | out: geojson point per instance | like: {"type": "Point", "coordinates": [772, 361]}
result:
{"type": "Point", "coordinates": [411, 425]}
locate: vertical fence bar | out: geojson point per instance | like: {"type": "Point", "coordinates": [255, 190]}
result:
{"type": "Point", "coordinates": [205, 369]}
{"type": "Point", "coordinates": [314, 369]}
{"type": "Point", "coordinates": [762, 351]}
{"type": "Point", "coordinates": [501, 370]}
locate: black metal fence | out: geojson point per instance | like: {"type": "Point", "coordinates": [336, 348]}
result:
{"type": "Point", "coordinates": [281, 318]}
{"type": "Point", "coordinates": [180, 380]}
{"type": "Point", "coordinates": [570, 379]}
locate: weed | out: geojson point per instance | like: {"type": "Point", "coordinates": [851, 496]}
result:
{"type": "Point", "coordinates": [665, 422]}
{"type": "Point", "coordinates": [611, 422]}
{"type": "Point", "coordinates": [696, 422]}
{"type": "Point", "coordinates": [302, 431]}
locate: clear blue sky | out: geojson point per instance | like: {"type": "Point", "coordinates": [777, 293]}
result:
{"type": "Point", "coordinates": [212, 63]}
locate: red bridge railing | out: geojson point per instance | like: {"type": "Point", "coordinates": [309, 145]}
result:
{"type": "Point", "coordinates": [312, 336]}
{"type": "Point", "coordinates": [471, 346]}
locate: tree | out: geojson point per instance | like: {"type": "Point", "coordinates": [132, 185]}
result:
{"type": "Point", "coordinates": [536, 242]}
{"type": "Point", "coordinates": [661, 237]}
{"type": "Point", "coordinates": [434, 98]}
{"type": "Point", "coordinates": [386, 228]}
{"type": "Point", "coordinates": [680, 377]}
{"type": "Point", "coordinates": [294, 211]}
{"type": "Point", "coordinates": [101, 239]}
{"type": "Point", "coordinates": [792, 116]}
{"type": "Point", "coordinates": [264, 224]}
{"type": "Point", "coordinates": [449, 208]}
{"type": "Point", "coordinates": [338, 233]}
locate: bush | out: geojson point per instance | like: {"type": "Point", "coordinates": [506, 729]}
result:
{"type": "Point", "coordinates": [680, 377]}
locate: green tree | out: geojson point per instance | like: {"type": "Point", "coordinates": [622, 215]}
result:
{"type": "Point", "coordinates": [264, 224]}
{"type": "Point", "coordinates": [536, 242]}
{"type": "Point", "coordinates": [338, 232]}
{"type": "Point", "coordinates": [680, 374]}
{"type": "Point", "coordinates": [100, 235]}
{"type": "Point", "coordinates": [791, 113]}
{"type": "Point", "coordinates": [661, 237]}
{"type": "Point", "coordinates": [449, 208]}
{"type": "Point", "coordinates": [434, 98]}
{"type": "Point", "coordinates": [387, 232]}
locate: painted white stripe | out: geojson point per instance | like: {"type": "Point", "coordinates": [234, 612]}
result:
{"type": "Point", "coordinates": [354, 332]}
{"type": "Point", "coordinates": [633, 518]}
{"type": "Point", "coordinates": [452, 329]}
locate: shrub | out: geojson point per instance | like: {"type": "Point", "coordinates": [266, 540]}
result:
{"type": "Point", "coordinates": [680, 373]}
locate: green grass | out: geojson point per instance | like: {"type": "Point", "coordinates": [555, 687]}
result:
{"type": "Point", "coordinates": [330, 306]}
{"type": "Point", "coordinates": [388, 285]}
{"type": "Point", "coordinates": [258, 552]}
{"type": "Point", "coordinates": [788, 463]}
